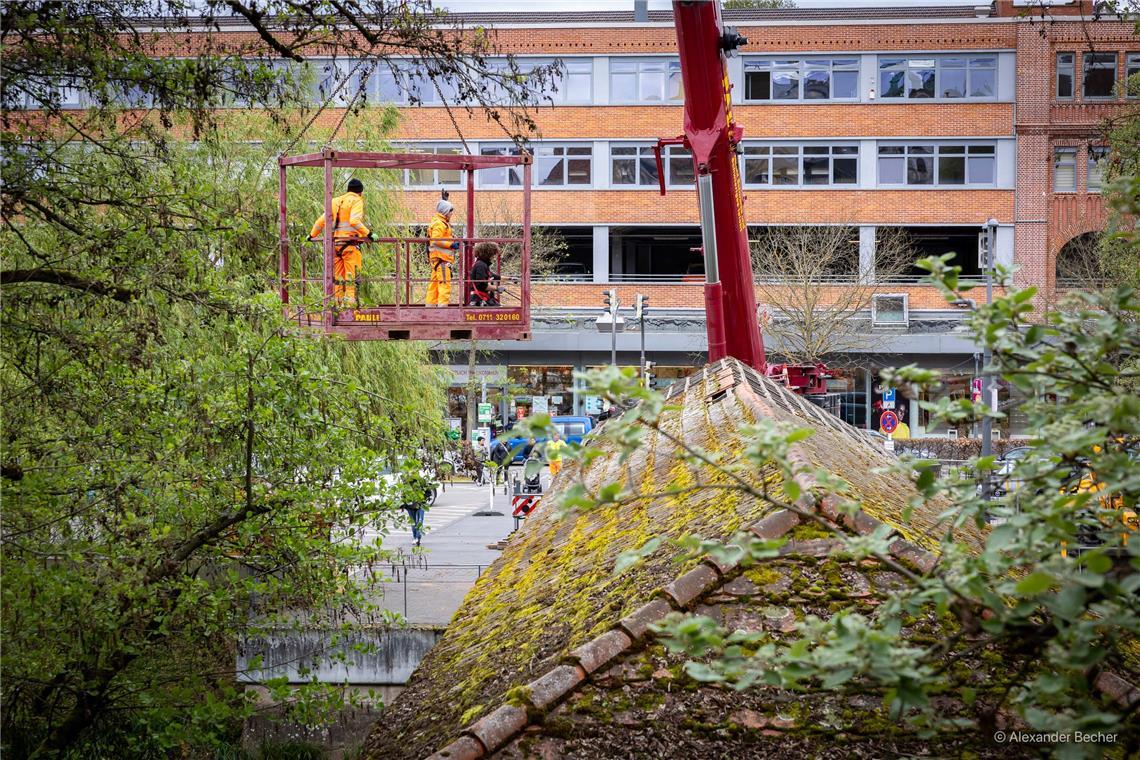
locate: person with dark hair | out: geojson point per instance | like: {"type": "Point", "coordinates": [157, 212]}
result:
{"type": "Point", "coordinates": [483, 292]}
{"type": "Point", "coordinates": [348, 230]}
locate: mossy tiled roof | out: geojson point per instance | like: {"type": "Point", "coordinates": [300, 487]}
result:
{"type": "Point", "coordinates": [554, 588]}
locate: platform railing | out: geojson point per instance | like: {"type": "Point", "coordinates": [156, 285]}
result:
{"type": "Point", "coordinates": [402, 276]}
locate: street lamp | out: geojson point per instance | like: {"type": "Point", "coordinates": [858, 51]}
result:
{"type": "Point", "coordinates": [989, 394]}
{"type": "Point", "coordinates": [611, 321]}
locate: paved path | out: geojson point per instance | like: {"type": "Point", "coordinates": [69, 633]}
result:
{"type": "Point", "coordinates": [427, 583]}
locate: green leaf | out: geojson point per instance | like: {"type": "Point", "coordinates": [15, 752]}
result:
{"type": "Point", "coordinates": [1034, 583]}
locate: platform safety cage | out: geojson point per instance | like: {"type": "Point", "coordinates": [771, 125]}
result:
{"type": "Point", "coordinates": [393, 284]}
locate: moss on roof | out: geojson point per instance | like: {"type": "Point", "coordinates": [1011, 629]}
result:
{"type": "Point", "coordinates": [554, 587]}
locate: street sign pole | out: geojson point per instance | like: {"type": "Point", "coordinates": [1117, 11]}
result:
{"type": "Point", "coordinates": [987, 379]}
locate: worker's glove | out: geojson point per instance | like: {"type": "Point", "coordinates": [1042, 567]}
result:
{"type": "Point", "coordinates": [374, 236]}
{"type": "Point", "coordinates": [454, 245]}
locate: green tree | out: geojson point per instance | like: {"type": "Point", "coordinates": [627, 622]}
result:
{"type": "Point", "coordinates": [182, 465]}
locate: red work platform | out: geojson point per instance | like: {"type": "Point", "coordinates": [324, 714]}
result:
{"type": "Point", "coordinates": [392, 286]}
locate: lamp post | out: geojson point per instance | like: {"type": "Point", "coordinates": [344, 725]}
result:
{"type": "Point", "coordinates": [988, 391]}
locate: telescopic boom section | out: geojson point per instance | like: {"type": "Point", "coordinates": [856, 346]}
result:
{"type": "Point", "coordinates": [712, 136]}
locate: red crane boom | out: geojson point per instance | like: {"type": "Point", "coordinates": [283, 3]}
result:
{"type": "Point", "coordinates": [712, 137]}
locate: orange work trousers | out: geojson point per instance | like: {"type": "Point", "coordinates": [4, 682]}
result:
{"type": "Point", "coordinates": [439, 287]}
{"type": "Point", "coordinates": [345, 266]}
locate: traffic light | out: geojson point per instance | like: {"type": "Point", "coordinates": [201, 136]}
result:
{"type": "Point", "coordinates": [647, 372]}
{"type": "Point", "coordinates": [641, 307]}
{"type": "Point", "coordinates": [611, 300]}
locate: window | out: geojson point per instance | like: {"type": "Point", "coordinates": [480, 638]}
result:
{"type": "Point", "coordinates": [434, 177]}
{"type": "Point", "coordinates": [937, 164]}
{"type": "Point", "coordinates": [633, 165]}
{"type": "Point", "coordinates": [1065, 170]}
{"type": "Point", "coordinates": [337, 81]}
{"type": "Point", "coordinates": [957, 76]}
{"type": "Point", "coordinates": [641, 80]}
{"type": "Point", "coordinates": [1098, 158]}
{"type": "Point", "coordinates": [679, 167]}
{"type": "Point", "coordinates": [506, 176]}
{"type": "Point", "coordinates": [576, 84]}
{"type": "Point", "coordinates": [889, 310]}
{"type": "Point", "coordinates": [1132, 75]}
{"type": "Point", "coordinates": [562, 165]}
{"type": "Point", "coordinates": [1100, 75]}
{"type": "Point", "coordinates": [795, 79]}
{"type": "Point", "coordinates": [782, 165]}
{"type": "Point", "coordinates": [573, 84]}
{"type": "Point", "coordinates": [1065, 75]}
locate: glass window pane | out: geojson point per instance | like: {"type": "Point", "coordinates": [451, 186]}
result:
{"type": "Point", "coordinates": [786, 171]}
{"type": "Point", "coordinates": [1098, 157]}
{"type": "Point", "coordinates": [755, 171]}
{"type": "Point", "coordinates": [845, 150]}
{"type": "Point", "coordinates": [1132, 75]}
{"type": "Point", "coordinates": [496, 176]}
{"type": "Point", "coordinates": [951, 170]}
{"type": "Point", "coordinates": [674, 86]}
{"type": "Point", "coordinates": [952, 83]}
{"type": "Point", "coordinates": [891, 84]}
{"type": "Point", "coordinates": [1064, 75]}
{"type": "Point", "coordinates": [623, 150]}
{"type": "Point", "coordinates": [578, 88]}
{"type": "Point", "coordinates": [844, 171]}
{"type": "Point", "coordinates": [981, 149]}
{"type": "Point", "coordinates": [651, 85]}
{"type": "Point", "coordinates": [891, 150]}
{"type": "Point", "coordinates": [920, 78]}
{"type": "Point", "coordinates": [757, 85]}
{"type": "Point", "coordinates": [623, 65]}
{"type": "Point", "coordinates": [448, 176]}
{"type": "Point", "coordinates": [648, 166]}
{"type": "Point", "coordinates": [891, 171]}
{"type": "Point", "coordinates": [681, 167]}
{"type": "Point", "coordinates": [816, 170]}
{"type": "Point", "coordinates": [785, 85]}
{"type": "Point", "coordinates": [919, 170]}
{"type": "Point", "coordinates": [623, 87]}
{"type": "Point", "coordinates": [1100, 74]}
{"type": "Point", "coordinates": [1064, 170]}
{"type": "Point", "coordinates": [845, 84]}
{"type": "Point", "coordinates": [624, 171]}
{"type": "Point", "coordinates": [982, 83]}
{"type": "Point", "coordinates": [817, 85]}
{"type": "Point", "coordinates": [981, 169]}
{"type": "Point", "coordinates": [578, 171]}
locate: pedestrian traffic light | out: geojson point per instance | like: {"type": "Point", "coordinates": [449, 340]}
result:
{"type": "Point", "coordinates": [611, 300]}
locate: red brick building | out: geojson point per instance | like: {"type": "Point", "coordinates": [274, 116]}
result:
{"type": "Point", "coordinates": [930, 120]}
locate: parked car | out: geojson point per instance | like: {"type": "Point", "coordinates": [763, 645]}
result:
{"type": "Point", "coordinates": [572, 428]}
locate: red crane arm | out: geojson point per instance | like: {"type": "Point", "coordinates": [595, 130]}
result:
{"type": "Point", "coordinates": [712, 136]}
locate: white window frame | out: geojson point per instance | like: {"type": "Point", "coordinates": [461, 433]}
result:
{"type": "Point", "coordinates": [802, 67]}
{"type": "Point", "coordinates": [877, 322]}
{"type": "Point", "coordinates": [972, 62]}
{"type": "Point", "coordinates": [801, 155]}
{"type": "Point", "coordinates": [642, 151]}
{"type": "Point", "coordinates": [668, 66]}
{"type": "Point", "coordinates": [971, 149]}
{"type": "Point", "coordinates": [559, 152]}
{"type": "Point", "coordinates": [435, 183]}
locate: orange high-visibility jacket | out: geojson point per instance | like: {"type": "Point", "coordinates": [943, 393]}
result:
{"type": "Point", "coordinates": [348, 211]}
{"type": "Point", "coordinates": [440, 235]}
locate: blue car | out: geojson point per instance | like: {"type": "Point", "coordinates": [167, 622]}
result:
{"type": "Point", "coordinates": [573, 430]}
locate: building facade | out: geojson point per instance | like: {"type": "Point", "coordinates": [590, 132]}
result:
{"type": "Point", "coordinates": [911, 123]}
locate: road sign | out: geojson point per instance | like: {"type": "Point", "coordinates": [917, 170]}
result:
{"type": "Point", "coordinates": [888, 398]}
{"type": "Point", "coordinates": [888, 422]}
{"type": "Point", "coordinates": [486, 412]}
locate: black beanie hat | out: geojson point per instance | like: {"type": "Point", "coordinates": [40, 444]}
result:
{"type": "Point", "coordinates": [355, 186]}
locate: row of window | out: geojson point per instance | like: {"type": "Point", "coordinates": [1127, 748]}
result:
{"type": "Point", "coordinates": [761, 165]}
{"type": "Point", "coordinates": [1098, 80]}
{"type": "Point", "coordinates": [1065, 168]}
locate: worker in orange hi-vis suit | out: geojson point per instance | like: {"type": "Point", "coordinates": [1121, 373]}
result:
{"type": "Point", "coordinates": [348, 215]}
{"type": "Point", "coordinates": [441, 254]}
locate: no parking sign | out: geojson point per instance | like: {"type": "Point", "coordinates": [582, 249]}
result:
{"type": "Point", "coordinates": [889, 422]}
